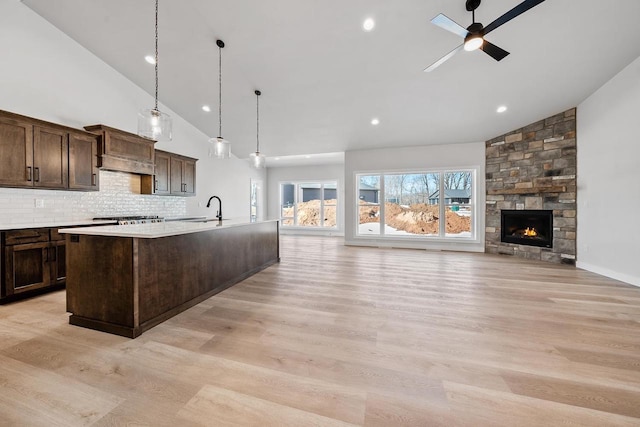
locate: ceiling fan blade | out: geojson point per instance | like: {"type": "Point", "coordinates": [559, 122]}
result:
{"type": "Point", "coordinates": [448, 24]}
{"type": "Point", "coordinates": [518, 10]}
{"type": "Point", "coordinates": [494, 51]}
{"type": "Point", "coordinates": [443, 59]}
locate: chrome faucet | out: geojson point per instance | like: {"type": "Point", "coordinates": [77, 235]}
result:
{"type": "Point", "coordinates": [219, 214]}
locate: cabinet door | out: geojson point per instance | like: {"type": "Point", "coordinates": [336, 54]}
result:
{"type": "Point", "coordinates": [189, 177]}
{"type": "Point", "coordinates": [83, 162]}
{"type": "Point", "coordinates": [27, 267]}
{"type": "Point", "coordinates": [57, 259]}
{"type": "Point", "coordinates": [50, 158]}
{"type": "Point", "coordinates": [176, 176]}
{"type": "Point", "coordinates": [162, 182]}
{"type": "Point", "coordinates": [16, 153]}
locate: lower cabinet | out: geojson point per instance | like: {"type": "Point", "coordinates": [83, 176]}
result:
{"type": "Point", "coordinates": [28, 267]}
{"type": "Point", "coordinates": [32, 259]}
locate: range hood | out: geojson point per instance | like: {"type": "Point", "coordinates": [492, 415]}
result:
{"type": "Point", "coordinates": [123, 151]}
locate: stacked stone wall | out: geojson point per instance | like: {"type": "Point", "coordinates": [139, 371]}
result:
{"type": "Point", "coordinates": [534, 168]}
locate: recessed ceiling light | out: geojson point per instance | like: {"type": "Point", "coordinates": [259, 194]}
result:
{"type": "Point", "coordinates": [502, 109]}
{"type": "Point", "coordinates": [375, 122]}
{"type": "Point", "coordinates": [206, 108]}
{"type": "Point", "coordinates": [307, 157]}
{"type": "Point", "coordinates": [368, 24]}
{"type": "Point", "coordinates": [150, 59]}
{"type": "Point", "coordinates": [277, 158]}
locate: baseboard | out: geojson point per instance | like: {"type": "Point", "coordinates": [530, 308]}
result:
{"type": "Point", "coordinates": [627, 278]}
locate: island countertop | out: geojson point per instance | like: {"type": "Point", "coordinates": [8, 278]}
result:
{"type": "Point", "coordinates": [161, 229]}
{"type": "Point", "coordinates": [125, 279]}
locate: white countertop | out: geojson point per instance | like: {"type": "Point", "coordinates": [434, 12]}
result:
{"type": "Point", "coordinates": [159, 229]}
{"type": "Point", "coordinates": [53, 224]}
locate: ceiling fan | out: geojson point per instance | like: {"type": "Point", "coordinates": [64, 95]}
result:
{"type": "Point", "coordinates": [474, 34]}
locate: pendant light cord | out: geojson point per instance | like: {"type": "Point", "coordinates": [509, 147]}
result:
{"type": "Point", "coordinates": [156, 108]}
{"type": "Point", "coordinates": [219, 92]}
{"type": "Point", "coordinates": [257, 122]}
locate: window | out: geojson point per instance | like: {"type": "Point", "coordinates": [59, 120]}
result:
{"type": "Point", "coordinates": [414, 203]}
{"type": "Point", "coordinates": [309, 204]}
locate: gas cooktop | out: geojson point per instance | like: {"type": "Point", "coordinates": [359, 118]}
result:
{"type": "Point", "coordinates": [131, 219]}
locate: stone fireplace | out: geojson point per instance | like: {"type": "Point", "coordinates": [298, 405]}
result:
{"type": "Point", "coordinates": [533, 170]}
{"type": "Point", "coordinates": [527, 227]}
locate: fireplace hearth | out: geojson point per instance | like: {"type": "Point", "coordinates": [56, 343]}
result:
{"type": "Point", "coordinates": [527, 227]}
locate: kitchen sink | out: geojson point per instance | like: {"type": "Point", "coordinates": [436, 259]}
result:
{"type": "Point", "coordinates": [206, 220]}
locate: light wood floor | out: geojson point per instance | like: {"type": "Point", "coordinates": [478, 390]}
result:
{"type": "Point", "coordinates": [337, 336]}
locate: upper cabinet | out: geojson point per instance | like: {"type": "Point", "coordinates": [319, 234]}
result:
{"type": "Point", "coordinates": [37, 154]}
{"type": "Point", "coordinates": [50, 157]}
{"type": "Point", "coordinates": [83, 162]}
{"type": "Point", "coordinates": [161, 180]}
{"type": "Point", "coordinates": [124, 151]}
{"type": "Point", "coordinates": [174, 175]}
{"type": "Point", "coordinates": [16, 152]}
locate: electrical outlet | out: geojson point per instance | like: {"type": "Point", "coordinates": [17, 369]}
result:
{"type": "Point", "coordinates": [39, 203]}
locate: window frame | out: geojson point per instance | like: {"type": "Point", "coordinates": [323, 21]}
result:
{"type": "Point", "coordinates": [297, 193]}
{"type": "Point", "coordinates": [442, 235]}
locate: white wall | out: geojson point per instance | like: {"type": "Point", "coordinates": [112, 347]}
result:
{"type": "Point", "coordinates": [411, 159]}
{"type": "Point", "coordinates": [331, 172]}
{"type": "Point", "coordinates": [47, 75]}
{"type": "Point", "coordinates": [609, 178]}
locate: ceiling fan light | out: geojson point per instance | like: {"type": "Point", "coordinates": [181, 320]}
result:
{"type": "Point", "coordinates": [473, 42]}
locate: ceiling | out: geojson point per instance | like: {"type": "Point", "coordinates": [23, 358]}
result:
{"type": "Point", "coordinates": [323, 78]}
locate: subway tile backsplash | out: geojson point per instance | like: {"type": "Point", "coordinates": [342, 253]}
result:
{"type": "Point", "coordinates": [119, 195]}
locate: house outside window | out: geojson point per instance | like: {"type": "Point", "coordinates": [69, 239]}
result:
{"type": "Point", "coordinates": [309, 204]}
{"type": "Point", "coordinates": [414, 204]}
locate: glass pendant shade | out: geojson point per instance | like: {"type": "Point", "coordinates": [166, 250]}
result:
{"type": "Point", "coordinates": [154, 124]}
{"type": "Point", "coordinates": [220, 148]}
{"type": "Point", "coordinates": [257, 160]}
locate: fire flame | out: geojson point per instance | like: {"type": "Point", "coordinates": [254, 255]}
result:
{"type": "Point", "coordinates": [530, 232]}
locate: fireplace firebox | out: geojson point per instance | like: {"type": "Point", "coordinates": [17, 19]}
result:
{"type": "Point", "coordinates": [527, 227]}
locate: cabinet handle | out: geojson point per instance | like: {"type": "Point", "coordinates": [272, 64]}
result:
{"type": "Point", "coordinates": [93, 179]}
{"type": "Point", "coordinates": [52, 257]}
{"type": "Point", "coordinates": [29, 173]}
{"type": "Point", "coordinates": [155, 185]}
{"type": "Point", "coordinates": [37, 174]}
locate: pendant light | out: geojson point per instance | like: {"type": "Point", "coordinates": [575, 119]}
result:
{"type": "Point", "coordinates": [221, 148]}
{"type": "Point", "coordinates": [258, 160]}
{"type": "Point", "coordinates": [153, 123]}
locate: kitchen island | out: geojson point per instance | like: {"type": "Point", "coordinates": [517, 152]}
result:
{"type": "Point", "coordinates": [125, 279]}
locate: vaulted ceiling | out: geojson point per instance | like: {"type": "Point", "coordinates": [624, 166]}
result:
{"type": "Point", "coordinates": [323, 78]}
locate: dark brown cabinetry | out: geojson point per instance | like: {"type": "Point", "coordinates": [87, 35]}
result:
{"type": "Point", "coordinates": [174, 175]}
{"type": "Point", "coordinates": [37, 154]}
{"type": "Point", "coordinates": [50, 158]}
{"type": "Point", "coordinates": [83, 162]}
{"type": "Point", "coordinates": [161, 179]}
{"type": "Point", "coordinates": [124, 151]}
{"type": "Point", "coordinates": [32, 259]}
{"type": "Point", "coordinates": [16, 152]}
{"type": "Point", "coordinates": [183, 176]}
